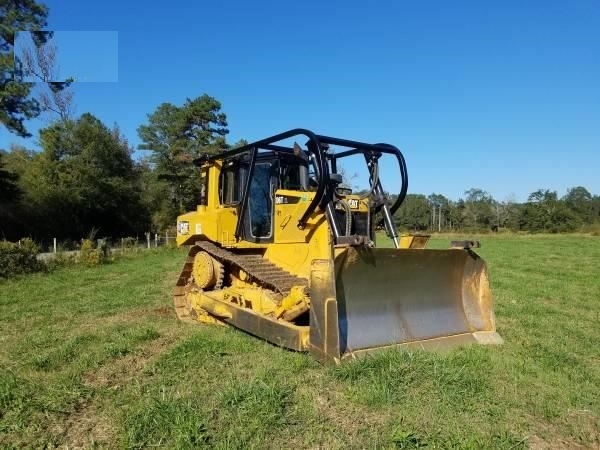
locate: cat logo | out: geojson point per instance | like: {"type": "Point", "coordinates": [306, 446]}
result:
{"type": "Point", "coordinates": [353, 203]}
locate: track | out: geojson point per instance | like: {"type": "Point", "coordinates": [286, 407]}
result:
{"type": "Point", "coordinates": [260, 270]}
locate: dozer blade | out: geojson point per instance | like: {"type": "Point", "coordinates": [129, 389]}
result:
{"type": "Point", "coordinates": [371, 299]}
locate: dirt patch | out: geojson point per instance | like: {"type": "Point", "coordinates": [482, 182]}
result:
{"type": "Point", "coordinates": [120, 371]}
{"type": "Point", "coordinates": [582, 420]}
{"type": "Point", "coordinates": [164, 311]}
{"type": "Point", "coordinates": [536, 443]}
{"type": "Point", "coordinates": [93, 323]}
{"type": "Point", "coordinates": [336, 409]}
{"type": "Point", "coordinates": [86, 427]}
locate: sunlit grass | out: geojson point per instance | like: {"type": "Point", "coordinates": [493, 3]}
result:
{"type": "Point", "coordinates": [95, 357]}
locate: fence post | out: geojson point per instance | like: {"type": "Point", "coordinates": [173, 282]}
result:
{"type": "Point", "coordinates": [156, 240]}
{"type": "Point", "coordinates": [148, 238]}
{"type": "Point", "coordinates": [54, 242]}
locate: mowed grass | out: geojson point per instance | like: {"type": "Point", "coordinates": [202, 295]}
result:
{"type": "Point", "coordinates": [95, 358]}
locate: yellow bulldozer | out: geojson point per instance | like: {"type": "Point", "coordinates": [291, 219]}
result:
{"type": "Point", "coordinates": [281, 248]}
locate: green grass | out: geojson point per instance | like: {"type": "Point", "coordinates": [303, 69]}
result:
{"type": "Point", "coordinates": [94, 357]}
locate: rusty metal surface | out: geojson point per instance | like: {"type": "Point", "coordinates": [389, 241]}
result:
{"type": "Point", "coordinates": [388, 297]}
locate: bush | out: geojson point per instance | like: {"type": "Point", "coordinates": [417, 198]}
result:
{"type": "Point", "coordinates": [592, 229]}
{"type": "Point", "coordinates": [90, 255]}
{"type": "Point", "coordinates": [62, 259]}
{"type": "Point", "coordinates": [19, 258]}
{"type": "Point", "coordinates": [130, 245]}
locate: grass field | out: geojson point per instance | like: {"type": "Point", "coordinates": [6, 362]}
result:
{"type": "Point", "coordinates": [94, 357]}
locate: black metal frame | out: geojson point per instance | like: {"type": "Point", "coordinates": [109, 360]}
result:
{"type": "Point", "coordinates": [322, 159]}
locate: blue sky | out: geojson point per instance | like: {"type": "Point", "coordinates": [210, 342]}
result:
{"type": "Point", "coordinates": [503, 96]}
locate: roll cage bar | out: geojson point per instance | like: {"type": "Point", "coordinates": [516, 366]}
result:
{"type": "Point", "coordinates": [318, 146]}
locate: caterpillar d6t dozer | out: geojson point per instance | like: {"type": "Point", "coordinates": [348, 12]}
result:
{"type": "Point", "coordinates": [281, 248]}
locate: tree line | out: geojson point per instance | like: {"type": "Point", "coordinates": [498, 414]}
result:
{"type": "Point", "coordinates": [84, 179]}
{"type": "Point", "coordinates": [544, 211]}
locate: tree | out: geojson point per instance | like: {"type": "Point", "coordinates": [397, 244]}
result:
{"type": "Point", "coordinates": [156, 196]}
{"type": "Point", "coordinates": [9, 190]}
{"type": "Point", "coordinates": [38, 58]}
{"type": "Point", "coordinates": [9, 199]}
{"type": "Point", "coordinates": [545, 212]}
{"type": "Point", "coordinates": [456, 214]}
{"type": "Point", "coordinates": [176, 136]}
{"type": "Point", "coordinates": [479, 209]}
{"type": "Point", "coordinates": [580, 201]}
{"type": "Point", "coordinates": [83, 179]}
{"type": "Point", "coordinates": [414, 213]}
{"type": "Point", "coordinates": [440, 208]}
{"type": "Point", "coordinates": [16, 105]}
{"type": "Point", "coordinates": [596, 208]}
{"type": "Point", "coordinates": [238, 144]}
{"type": "Point", "coordinates": [508, 212]}
{"type": "Point", "coordinates": [17, 102]}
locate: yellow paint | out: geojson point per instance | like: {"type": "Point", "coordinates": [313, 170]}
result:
{"type": "Point", "coordinates": [297, 298]}
{"type": "Point", "coordinates": [293, 249]}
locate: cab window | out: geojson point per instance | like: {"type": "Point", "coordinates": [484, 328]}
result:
{"type": "Point", "coordinates": [260, 204]}
{"type": "Point", "coordinates": [229, 184]}
{"type": "Point", "coordinates": [290, 177]}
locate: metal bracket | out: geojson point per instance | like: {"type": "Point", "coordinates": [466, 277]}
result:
{"type": "Point", "coordinates": [465, 245]}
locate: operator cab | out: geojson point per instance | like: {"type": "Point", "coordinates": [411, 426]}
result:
{"type": "Point", "coordinates": [256, 178]}
{"type": "Point", "coordinates": [271, 171]}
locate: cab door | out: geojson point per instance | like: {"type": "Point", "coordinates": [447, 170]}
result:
{"type": "Point", "coordinates": [258, 223]}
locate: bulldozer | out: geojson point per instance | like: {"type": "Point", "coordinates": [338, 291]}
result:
{"type": "Point", "coordinates": [281, 248]}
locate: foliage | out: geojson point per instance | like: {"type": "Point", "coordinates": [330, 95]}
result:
{"type": "Point", "coordinates": [479, 209]}
{"type": "Point", "coordinates": [414, 213]}
{"type": "Point", "coordinates": [9, 190]}
{"type": "Point", "coordinates": [19, 258]}
{"type": "Point", "coordinates": [176, 135]}
{"type": "Point", "coordinates": [90, 255]}
{"type": "Point", "coordinates": [62, 259]}
{"type": "Point", "coordinates": [545, 212]}
{"type": "Point", "coordinates": [83, 178]}
{"type": "Point", "coordinates": [37, 55]}
{"type": "Point", "coordinates": [581, 202]}
{"type": "Point", "coordinates": [17, 102]}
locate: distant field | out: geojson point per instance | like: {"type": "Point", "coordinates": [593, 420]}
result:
{"type": "Point", "coordinates": [94, 357]}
